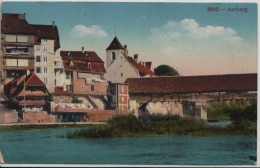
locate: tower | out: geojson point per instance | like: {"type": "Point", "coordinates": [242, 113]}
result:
{"type": "Point", "coordinates": [113, 51]}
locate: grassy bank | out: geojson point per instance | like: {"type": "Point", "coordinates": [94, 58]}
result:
{"type": "Point", "coordinates": [128, 126]}
{"type": "Point", "coordinates": [37, 127]}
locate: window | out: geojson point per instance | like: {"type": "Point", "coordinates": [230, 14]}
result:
{"type": "Point", "coordinates": [123, 99]}
{"type": "Point", "coordinates": [55, 82]}
{"type": "Point", "coordinates": [121, 65]}
{"type": "Point", "coordinates": [45, 48]}
{"type": "Point", "coordinates": [92, 87]}
{"type": "Point", "coordinates": [123, 89]}
{"type": "Point", "coordinates": [113, 55]}
{"type": "Point", "coordinates": [38, 69]}
{"type": "Point", "coordinates": [121, 74]}
{"type": "Point", "coordinates": [89, 64]}
{"type": "Point", "coordinates": [45, 59]}
{"type": "Point", "coordinates": [67, 75]}
{"type": "Point", "coordinates": [14, 50]}
{"type": "Point", "coordinates": [83, 87]}
{"type": "Point", "coordinates": [38, 58]}
{"type": "Point", "coordinates": [45, 81]}
{"type": "Point", "coordinates": [38, 47]}
{"type": "Point", "coordinates": [45, 70]}
{"type": "Point", "coordinates": [61, 97]}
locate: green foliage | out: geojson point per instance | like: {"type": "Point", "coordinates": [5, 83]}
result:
{"type": "Point", "coordinates": [75, 100]}
{"type": "Point", "coordinates": [158, 125]}
{"type": "Point", "coordinates": [165, 70]}
{"type": "Point", "coordinates": [243, 114]}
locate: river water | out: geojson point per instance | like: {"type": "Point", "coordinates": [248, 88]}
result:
{"type": "Point", "coordinates": [43, 146]}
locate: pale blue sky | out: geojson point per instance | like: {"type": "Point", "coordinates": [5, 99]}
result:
{"type": "Point", "coordinates": [183, 35]}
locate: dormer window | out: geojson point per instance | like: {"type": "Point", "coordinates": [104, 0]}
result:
{"type": "Point", "coordinates": [69, 55]}
{"type": "Point", "coordinates": [87, 55]}
{"type": "Point", "coordinates": [71, 63]}
{"type": "Point", "coordinates": [89, 64]}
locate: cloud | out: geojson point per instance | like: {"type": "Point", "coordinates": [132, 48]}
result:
{"type": "Point", "coordinates": [144, 17]}
{"type": "Point", "coordinates": [189, 29]}
{"type": "Point", "coordinates": [83, 31]}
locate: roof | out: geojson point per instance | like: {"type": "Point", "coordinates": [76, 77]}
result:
{"type": "Point", "coordinates": [47, 32]}
{"type": "Point", "coordinates": [15, 24]}
{"type": "Point", "coordinates": [115, 44]}
{"type": "Point", "coordinates": [78, 55]}
{"type": "Point", "coordinates": [141, 68]}
{"type": "Point", "coordinates": [145, 69]}
{"type": "Point", "coordinates": [58, 90]}
{"type": "Point", "coordinates": [79, 61]}
{"type": "Point", "coordinates": [33, 80]}
{"type": "Point", "coordinates": [189, 84]}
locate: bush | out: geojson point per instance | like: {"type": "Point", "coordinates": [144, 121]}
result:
{"type": "Point", "coordinates": [75, 100]}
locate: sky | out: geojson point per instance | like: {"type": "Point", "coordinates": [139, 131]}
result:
{"type": "Point", "coordinates": [186, 36]}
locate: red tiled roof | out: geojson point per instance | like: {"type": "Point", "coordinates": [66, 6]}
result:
{"type": "Point", "coordinates": [47, 32]}
{"type": "Point", "coordinates": [15, 24]}
{"type": "Point", "coordinates": [33, 80]}
{"type": "Point", "coordinates": [115, 44]}
{"type": "Point", "coordinates": [141, 68]}
{"type": "Point", "coordinates": [78, 55]}
{"type": "Point", "coordinates": [188, 84]}
{"type": "Point", "coordinates": [80, 61]}
{"type": "Point", "coordinates": [82, 66]}
{"type": "Point", "coordinates": [58, 90]}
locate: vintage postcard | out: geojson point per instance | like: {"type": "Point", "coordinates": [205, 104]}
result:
{"type": "Point", "coordinates": [129, 83]}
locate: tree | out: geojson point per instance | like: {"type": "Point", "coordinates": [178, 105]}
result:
{"type": "Point", "coordinates": [165, 70]}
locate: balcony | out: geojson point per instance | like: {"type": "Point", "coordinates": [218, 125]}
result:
{"type": "Point", "coordinates": [32, 102]}
{"type": "Point", "coordinates": [58, 65]}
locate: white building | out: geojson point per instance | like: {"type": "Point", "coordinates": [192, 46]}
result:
{"type": "Point", "coordinates": [48, 62]}
{"type": "Point", "coordinates": [120, 66]}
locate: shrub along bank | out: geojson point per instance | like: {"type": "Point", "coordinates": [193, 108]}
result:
{"type": "Point", "coordinates": [157, 125]}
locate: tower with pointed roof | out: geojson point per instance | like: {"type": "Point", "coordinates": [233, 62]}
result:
{"type": "Point", "coordinates": [120, 66]}
{"type": "Point", "coordinates": [113, 51]}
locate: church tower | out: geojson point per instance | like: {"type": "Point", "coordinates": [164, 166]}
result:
{"type": "Point", "coordinates": [113, 51]}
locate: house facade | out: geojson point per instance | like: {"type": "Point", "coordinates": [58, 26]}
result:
{"type": "Point", "coordinates": [120, 66]}
{"type": "Point", "coordinates": [85, 77]}
{"type": "Point", "coordinates": [48, 62]}
{"type": "Point", "coordinates": [17, 42]}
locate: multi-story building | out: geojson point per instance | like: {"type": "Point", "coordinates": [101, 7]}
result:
{"type": "Point", "coordinates": [118, 96]}
{"type": "Point", "coordinates": [17, 42]}
{"type": "Point", "coordinates": [85, 76]}
{"type": "Point", "coordinates": [120, 66]}
{"type": "Point", "coordinates": [48, 62]}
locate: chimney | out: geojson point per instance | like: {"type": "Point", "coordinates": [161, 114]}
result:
{"type": "Point", "coordinates": [21, 16]}
{"type": "Point", "coordinates": [82, 50]}
{"type": "Point", "coordinates": [53, 24]}
{"type": "Point", "coordinates": [136, 57]}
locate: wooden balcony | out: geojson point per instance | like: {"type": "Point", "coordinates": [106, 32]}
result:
{"type": "Point", "coordinates": [32, 102]}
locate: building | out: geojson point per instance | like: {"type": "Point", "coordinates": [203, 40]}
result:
{"type": "Point", "coordinates": [17, 42]}
{"type": "Point", "coordinates": [188, 96]}
{"type": "Point", "coordinates": [30, 97]}
{"type": "Point", "coordinates": [48, 62]}
{"type": "Point", "coordinates": [85, 77]}
{"type": "Point", "coordinates": [61, 96]}
{"type": "Point", "coordinates": [118, 96]}
{"type": "Point", "coordinates": [120, 66]}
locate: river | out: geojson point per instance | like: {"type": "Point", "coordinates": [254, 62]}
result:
{"type": "Point", "coordinates": [43, 146]}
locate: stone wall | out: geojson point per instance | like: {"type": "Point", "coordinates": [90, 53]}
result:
{"type": "Point", "coordinates": [102, 115]}
{"type": "Point", "coordinates": [8, 116]}
{"type": "Point", "coordinates": [38, 117]}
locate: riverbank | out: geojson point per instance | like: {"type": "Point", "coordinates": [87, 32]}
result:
{"type": "Point", "coordinates": [129, 126]}
{"type": "Point", "coordinates": [37, 126]}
